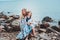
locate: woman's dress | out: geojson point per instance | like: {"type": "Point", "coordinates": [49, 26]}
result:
{"type": "Point", "coordinates": [25, 29]}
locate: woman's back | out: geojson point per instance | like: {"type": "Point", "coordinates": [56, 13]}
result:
{"type": "Point", "coordinates": [22, 23]}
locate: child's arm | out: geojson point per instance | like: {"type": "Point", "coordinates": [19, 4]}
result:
{"type": "Point", "coordinates": [29, 22]}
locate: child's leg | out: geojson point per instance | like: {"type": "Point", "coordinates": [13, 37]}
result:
{"type": "Point", "coordinates": [1, 29]}
{"type": "Point", "coordinates": [33, 31]}
{"type": "Point", "coordinates": [26, 38]}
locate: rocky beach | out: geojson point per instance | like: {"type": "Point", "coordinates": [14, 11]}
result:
{"type": "Point", "coordinates": [9, 28]}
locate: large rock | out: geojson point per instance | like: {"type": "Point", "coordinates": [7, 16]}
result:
{"type": "Point", "coordinates": [47, 19]}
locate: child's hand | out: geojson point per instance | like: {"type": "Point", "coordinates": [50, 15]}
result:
{"type": "Point", "coordinates": [29, 23]}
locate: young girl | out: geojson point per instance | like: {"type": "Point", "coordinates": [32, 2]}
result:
{"type": "Point", "coordinates": [31, 23]}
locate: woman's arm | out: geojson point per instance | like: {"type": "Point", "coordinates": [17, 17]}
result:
{"type": "Point", "coordinates": [20, 17]}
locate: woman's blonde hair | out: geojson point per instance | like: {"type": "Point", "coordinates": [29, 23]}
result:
{"type": "Point", "coordinates": [28, 12]}
{"type": "Point", "coordinates": [21, 15]}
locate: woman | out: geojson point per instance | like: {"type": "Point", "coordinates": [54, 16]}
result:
{"type": "Point", "coordinates": [25, 29]}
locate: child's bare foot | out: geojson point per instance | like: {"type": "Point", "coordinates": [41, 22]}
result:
{"type": "Point", "coordinates": [26, 38]}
